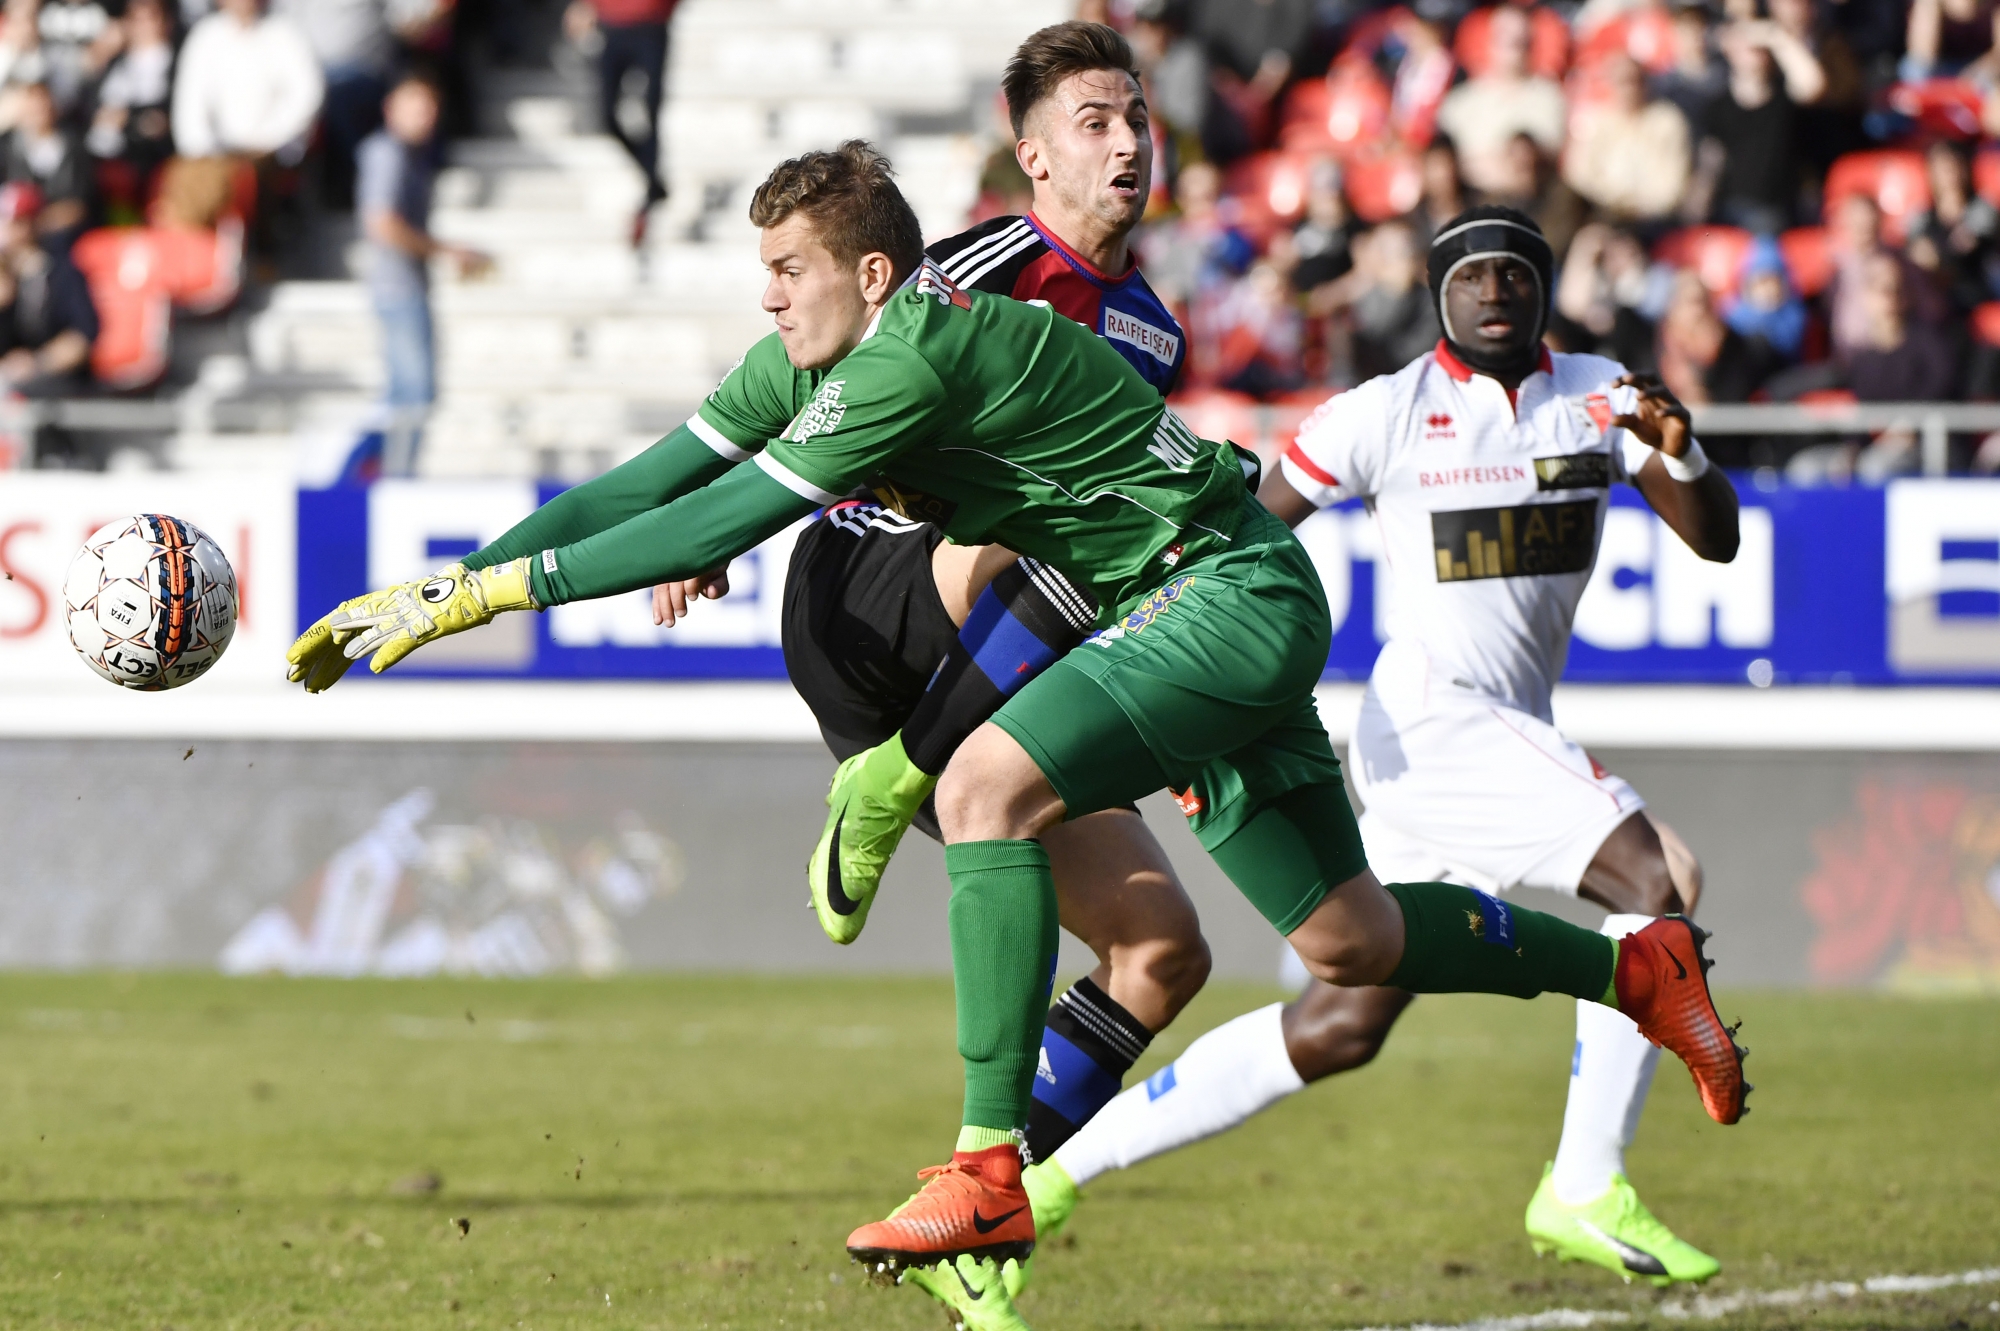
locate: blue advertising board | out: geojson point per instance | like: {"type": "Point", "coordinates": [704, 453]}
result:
{"type": "Point", "coordinates": [1857, 586]}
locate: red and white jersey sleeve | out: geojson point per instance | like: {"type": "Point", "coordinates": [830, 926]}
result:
{"type": "Point", "coordinates": [1490, 506]}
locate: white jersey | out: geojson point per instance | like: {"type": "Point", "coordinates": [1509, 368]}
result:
{"type": "Point", "coordinates": [1490, 505]}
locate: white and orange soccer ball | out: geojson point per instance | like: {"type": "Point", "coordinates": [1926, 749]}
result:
{"type": "Point", "coordinates": [151, 602]}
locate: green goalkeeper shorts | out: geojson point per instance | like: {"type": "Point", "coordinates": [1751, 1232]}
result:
{"type": "Point", "coordinates": [1203, 687]}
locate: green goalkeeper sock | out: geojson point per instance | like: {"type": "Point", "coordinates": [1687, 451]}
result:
{"type": "Point", "coordinates": [1003, 956]}
{"type": "Point", "coordinates": [1457, 941]}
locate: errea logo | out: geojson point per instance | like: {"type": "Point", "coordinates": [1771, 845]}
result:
{"type": "Point", "coordinates": [1437, 425]}
{"type": "Point", "coordinates": [822, 414]}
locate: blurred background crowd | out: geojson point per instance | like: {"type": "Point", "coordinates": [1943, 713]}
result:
{"type": "Point", "coordinates": [1787, 201]}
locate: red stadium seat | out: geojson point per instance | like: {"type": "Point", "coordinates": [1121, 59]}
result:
{"type": "Point", "coordinates": [1647, 35]}
{"type": "Point", "coordinates": [1270, 190]}
{"type": "Point", "coordinates": [1947, 108]}
{"type": "Point", "coordinates": [1986, 323]}
{"type": "Point", "coordinates": [1826, 397]}
{"type": "Point", "coordinates": [1715, 253]}
{"type": "Point", "coordinates": [1548, 42]}
{"type": "Point", "coordinates": [134, 309]}
{"type": "Point", "coordinates": [1384, 185]}
{"type": "Point", "coordinates": [1894, 177]}
{"type": "Point", "coordinates": [1808, 252]}
{"type": "Point", "coordinates": [1219, 414]}
{"type": "Point", "coordinates": [201, 270]}
{"type": "Point", "coordinates": [1986, 175]}
{"type": "Point", "coordinates": [1340, 114]}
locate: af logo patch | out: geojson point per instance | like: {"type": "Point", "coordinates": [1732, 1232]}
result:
{"type": "Point", "coordinates": [931, 281]}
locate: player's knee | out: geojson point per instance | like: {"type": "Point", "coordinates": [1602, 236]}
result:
{"type": "Point", "coordinates": [1654, 891]}
{"type": "Point", "coordinates": [1329, 1031]}
{"type": "Point", "coordinates": [992, 791]}
{"type": "Point", "coordinates": [1176, 967]}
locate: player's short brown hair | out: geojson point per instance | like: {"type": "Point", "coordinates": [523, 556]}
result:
{"type": "Point", "coordinates": [850, 196]}
{"type": "Point", "coordinates": [1046, 58]}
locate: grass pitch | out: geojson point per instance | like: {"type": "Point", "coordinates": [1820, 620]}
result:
{"type": "Point", "coordinates": [189, 1151]}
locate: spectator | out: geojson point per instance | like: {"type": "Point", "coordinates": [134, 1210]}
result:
{"type": "Point", "coordinates": [1323, 239]}
{"type": "Point", "coordinates": [1189, 255]}
{"type": "Point", "coordinates": [1444, 191]}
{"type": "Point", "coordinates": [356, 53]}
{"type": "Point", "coordinates": [1484, 115]}
{"type": "Point", "coordinates": [1176, 69]}
{"type": "Point", "coordinates": [134, 101]}
{"type": "Point", "coordinates": [1256, 334]}
{"type": "Point", "coordinates": [1702, 359]}
{"type": "Point", "coordinates": [1953, 240]}
{"type": "Point", "coordinates": [1528, 182]}
{"type": "Point", "coordinates": [1899, 358]}
{"type": "Point", "coordinates": [1609, 297]}
{"type": "Point", "coordinates": [393, 191]}
{"type": "Point", "coordinates": [1948, 37]}
{"type": "Point", "coordinates": [1254, 46]}
{"type": "Point", "coordinates": [1831, 123]}
{"type": "Point", "coordinates": [1393, 316]}
{"type": "Point", "coordinates": [1425, 71]}
{"type": "Point", "coordinates": [77, 39]}
{"type": "Point", "coordinates": [47, 323]}
{"type": "Point", "coordinates": [1857, 240]}
{"type": "Point", "coordinates": [1629, 157]}
{"type": "Point", "coordinates": [40, 152]}
{"type": "Point", "coordinates": [631, 41]}
{"type": "Point", "coordinates": [247, 86]}
{"type": "Point", "coordinates": [1697, 74]}
{"type": "Point", "coordinates": [1765, 310]}
{"type": "Point", "coordinates": [1749, 133]}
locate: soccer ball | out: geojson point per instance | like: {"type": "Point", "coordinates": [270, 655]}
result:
{"type": "Point", "coordinates": [151, 602]}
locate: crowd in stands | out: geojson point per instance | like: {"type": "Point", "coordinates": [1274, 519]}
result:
{"type": "Point", "coordinates": [1760, 200]}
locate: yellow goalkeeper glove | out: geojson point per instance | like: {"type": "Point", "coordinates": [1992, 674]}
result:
{"type": "Point", "coordinates": [395, 622]}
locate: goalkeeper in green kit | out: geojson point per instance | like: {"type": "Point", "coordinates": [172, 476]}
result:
{"type": "Point", "coordinates": [1006, 423]}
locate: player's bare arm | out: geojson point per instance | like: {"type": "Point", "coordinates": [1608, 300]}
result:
{"type": "Point", "coordinates": [1700, 509]}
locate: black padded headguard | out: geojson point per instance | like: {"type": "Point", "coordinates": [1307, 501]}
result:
{"type": "Point", "coordinates": [1480, 233]}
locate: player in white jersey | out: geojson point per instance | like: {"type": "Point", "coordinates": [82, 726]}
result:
{"type": "Point", "coordinates": [1487, 465]}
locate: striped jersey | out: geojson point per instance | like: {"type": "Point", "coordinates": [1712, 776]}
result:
{"type": "Point", "coordinates": [1022, 258]}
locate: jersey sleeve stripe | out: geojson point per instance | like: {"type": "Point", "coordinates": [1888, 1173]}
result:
{"type": "Point", "coordinates": [972, 253]}
{"type": "Point", "coordinates": [1297, 457]}
{"type": "Point", "coordinates": [792, 481]}
{"type": "Point", "coordinates": [972, 278]}
{"type": "Point", "coordinates": [715, 439]}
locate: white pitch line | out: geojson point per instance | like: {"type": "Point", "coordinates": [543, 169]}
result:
{"type": "Point", "coordinates": [1704, 1308]}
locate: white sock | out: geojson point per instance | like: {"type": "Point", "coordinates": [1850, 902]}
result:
{"type": "Point", "coordinates": [1610, 1073]}
{"type": "Point", "coordinates": [1227, 1075]}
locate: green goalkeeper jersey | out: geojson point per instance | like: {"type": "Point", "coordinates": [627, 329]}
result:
{"type": "Point", "coordinates": [998, 420]}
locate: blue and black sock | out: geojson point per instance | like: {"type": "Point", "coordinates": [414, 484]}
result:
{"type": "Point", "coordinates": [1088, 1046]}
{"type": "Point", "coordinates": [1026, 618]}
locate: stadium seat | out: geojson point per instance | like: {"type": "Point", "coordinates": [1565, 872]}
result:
{"type": "Point", "coordinates": [1270, 188]}
{"type": "Point", "coordinates": [202, 271]}
{"type": "Point", "coordinates": [1826, 397]}
{"type": "Point", "coordinates": [1340, 114]}
{"type": "Point", "coordinates": [1647, 35]}
{"type": "Point", "coordinates": [1219, 414]}
{"type": "Point", "coordinates": [1715, 253]}
{"type": "Point", "coordinates": [1894, 177]}
{"type": "Point", "coordinates": [1384, 185]}
{"type": "Point", "coordinates": [1985, 323]}
{"type": "Point", "coordinates": [1947, 108]}
{"type": "Point", "coordinates": [1986, 174]}
{"type": "Point", "coordinates": [134, 309]}
{"type": "Point", "coordinates": [1808, 252]}
{"type": "Point", "coordinates": [1548, 42]}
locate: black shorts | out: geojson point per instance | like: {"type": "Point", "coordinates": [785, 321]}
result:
{"type": "Point", "coordinates": [864, 627]}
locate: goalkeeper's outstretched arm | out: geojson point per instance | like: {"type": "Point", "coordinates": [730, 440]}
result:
{"type": "Point", "coordinates": [679, 464]}
{"type": "Point", "coordinates": [696, 532]}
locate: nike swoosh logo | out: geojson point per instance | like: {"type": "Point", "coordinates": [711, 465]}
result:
{"type": "Point", "coordinates": [974, 1294]}
{"type": "Point", "coordinates": [835, 897]}
{"type": "Point", "coordinates": [1682, 970]}
{"type": "Point", "coordinates": [1637, 1260]}
{"type": "Point", "coordinates": [985, 1226]}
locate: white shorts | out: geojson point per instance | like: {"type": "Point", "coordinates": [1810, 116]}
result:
{"type": "Point", "coordinates": [1471, 790]}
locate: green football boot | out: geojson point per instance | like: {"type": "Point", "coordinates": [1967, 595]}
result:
{"type": "Point", "coordinates": [873, 797]}
{"type": "Point", "coordinates": [1616, 1232]}
{"type": "Point", "coordinates": [1052, 1199]}
{"type": "Point", "coordinates": [973, 1292]}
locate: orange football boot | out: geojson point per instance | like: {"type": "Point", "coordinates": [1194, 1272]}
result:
{"type": "Point", "coordinates": [1668, 999]}
{"type": "Point", "coordinates": [974, 1205]}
